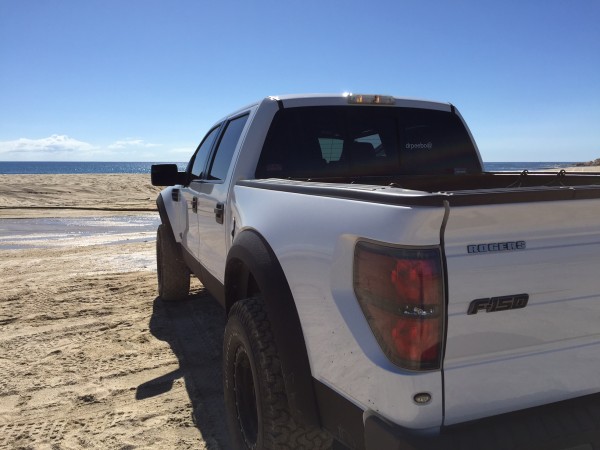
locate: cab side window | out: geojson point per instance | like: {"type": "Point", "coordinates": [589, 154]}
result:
{"type": "Point", "coordinates": [227, 145]}
{"type": "Point", "coordinates": [201, 156]}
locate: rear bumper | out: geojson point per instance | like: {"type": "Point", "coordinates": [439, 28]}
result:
{"type": "Point", "coordinates": [572, 424]}
{"type": "Point", "coordinates": [383, 435]}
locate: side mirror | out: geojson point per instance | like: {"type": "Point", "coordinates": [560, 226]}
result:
{"type": "Point", "coordinates": [166, 175]}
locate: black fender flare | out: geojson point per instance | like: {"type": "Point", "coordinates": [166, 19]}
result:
{"type": "Point", "coordinates": [164, 218]}
{"type": "Point", "coordinates": [166, 221]}
{"type": "Point", "coordinates": [162, 212]}
{"type": "Point", "coordinates": [251, 256]}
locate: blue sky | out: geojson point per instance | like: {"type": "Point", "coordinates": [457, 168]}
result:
{"type": "Point", "coordinates": [143, 80]}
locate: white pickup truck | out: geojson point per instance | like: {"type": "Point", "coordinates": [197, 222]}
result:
{"type": "Point", "coordinates": [382, 290]}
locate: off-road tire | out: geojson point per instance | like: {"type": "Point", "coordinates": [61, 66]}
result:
{"type": "Point", "coordinates": [173, 274]}
{"type": "Point", "coordinates": [255, 399]}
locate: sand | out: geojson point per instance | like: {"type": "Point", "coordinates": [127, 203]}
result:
{"type": "Point", "coordinates": [75, 195]}
{"type": "Point", "coordinates": [587, 169]}
{"type": "Point", "coordinates": [89, 356]}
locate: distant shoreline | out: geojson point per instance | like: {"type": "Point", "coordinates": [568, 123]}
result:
{"type": "Point", "coordinates": [78, 167]}
{"type": "Point", "coordinates": [578, 169]}
{"type": "Point", "coordinates": [594, 163]}
{"type": "Point", "coordinates": [111, 168]}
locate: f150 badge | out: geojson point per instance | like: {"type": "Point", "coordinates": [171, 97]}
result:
{"type": "Point", "coordinates": [498, 303]}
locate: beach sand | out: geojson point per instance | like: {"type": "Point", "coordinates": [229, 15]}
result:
{"type": "Point", "coordinates": [75, 195]}
{"type": "Point", "coordinates": [89, 356]}
{"type": "Point", "coordinates": [586, 169]}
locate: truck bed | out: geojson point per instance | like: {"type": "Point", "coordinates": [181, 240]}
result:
{"type": "Point", "coordinates": [456, 189]}
{"type": "Point", "coordinates": [555, 269]}
{"type": "Point", "coordinates": [474, 182]}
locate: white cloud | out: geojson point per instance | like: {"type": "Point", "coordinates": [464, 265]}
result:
{"type": "Point", "coordinates": [53, 145]}
{"type": "Point", "coordinates": [64, 148]}
{"type": "Point", "coordinates": [131, 143]}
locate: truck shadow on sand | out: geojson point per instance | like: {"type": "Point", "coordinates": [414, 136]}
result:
{"type": "Point", "coordinates": [194, 330]}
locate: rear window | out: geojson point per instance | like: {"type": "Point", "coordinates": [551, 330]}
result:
{"type": "Point", "coordinates": [321, 142]}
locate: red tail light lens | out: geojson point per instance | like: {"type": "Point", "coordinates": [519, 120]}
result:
{"type": "Point", "coordinates": [401, 293]}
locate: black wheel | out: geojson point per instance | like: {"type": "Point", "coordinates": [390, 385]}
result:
{"type": "Point", "coordinates": [173, 274]}
{"type": "Point", "coordinates": [255, 400]}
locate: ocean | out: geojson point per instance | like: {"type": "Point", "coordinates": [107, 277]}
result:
{"type": "Point", "coordinates": [52, 167]}
{"type": "Point", "coordinates": [55, 167]}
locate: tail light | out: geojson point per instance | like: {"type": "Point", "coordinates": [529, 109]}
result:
{"type": "Point", "coordinates": [401, 293]}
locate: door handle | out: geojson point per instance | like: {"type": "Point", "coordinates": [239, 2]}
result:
{"type": "Point", "coordinates": [219, 212]}
{"type": "Point", "coordinates": [195, 205]}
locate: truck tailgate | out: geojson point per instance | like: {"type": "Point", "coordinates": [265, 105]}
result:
{"type": "Point", "coordinates": [507, 355]}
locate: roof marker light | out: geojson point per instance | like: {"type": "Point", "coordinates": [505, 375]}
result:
{"type": "Point", "coordinates": [361, 99]}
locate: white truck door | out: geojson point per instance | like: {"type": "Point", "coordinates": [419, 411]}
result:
{"type": "Point", "coordinates": [190, 236]}
{"type": "Point", "coordinates": [211, 193]}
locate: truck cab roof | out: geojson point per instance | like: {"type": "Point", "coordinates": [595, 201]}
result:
{"type": "Point", "coordinates": [299, 100]}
